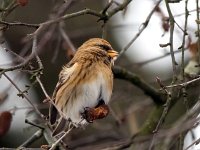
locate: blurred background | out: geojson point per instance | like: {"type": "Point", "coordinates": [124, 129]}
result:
{"type": "Point", "coordinates": [131, 106]}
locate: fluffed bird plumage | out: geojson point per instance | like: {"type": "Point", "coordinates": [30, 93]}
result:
{"type": "Point", "coordinates": [85, 81]}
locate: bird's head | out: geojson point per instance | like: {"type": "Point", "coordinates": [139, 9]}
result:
{"type": "Point", "coordinates": [100, 47]}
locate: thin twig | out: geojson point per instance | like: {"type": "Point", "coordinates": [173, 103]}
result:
{"type": "Point", "coordinates": [178, 127]}
{"type": "Point", "coordinates": [161, 120]}
{"type": "Point", "coordinates": [34, 49]}
{"type": "Point", "coordinates": [181, 14]}
{"type": "Point", "coordinates": [179, 26]}
{"type": "Point", "coordinates": [24, 63]}
{"type": "Point", "coordinates": [21, 93]}
{"type": "Point", "coordinates": [169, 99]}
{"type": "Point", "coordinates": [42, 87]}
{"type": "Point", "coordinates": [139, 64]}
{"type": "Point", "coordinates": [184, 83]}
{"type": "Point", "coordinates": [184, 92]}
{"type": "Point", "coordinates": [183, 42]}
{"type": "Point", "coordinates": [171, 40]}
{"type": "Point", "coordinates": [119, 8]}
{"type": "Point", "coordinates": [19, 24]}
{"type": "Point", "coordinates": [24, 95]}
{"type": "Point", "coordinates": [19, 66]}
{"type": "Point", "coordinates": [104, 31]}
{"type": "Point", "coordinates": [32, 139]}
{"type": "Point", "coordinates": [67, 16]}
{"type": "Point", "coordinates": [40, 106]}
{"type": "Point", "coordinates": [141, 29]}
{"type": "Point", "coordinates": [58, 141]}
{"type": "Point", "coordinates": [84, 12]}
{"type": "Point", "coordinates": [109, 4]}
{"type": "Point", "coordinates": [196, 142]}
{"type": "Point", "coordinates": [57, 48]}
{"type": "Point", "coordinates": [88, 11]}
{"type": "Point", "coordinates": [163, 87]}
{"type": "Point", "coordinates": [11, 5]}
{"type": "Point", "coordinates": [67, 39]}
{"type": "Point", "coordinates": [33, 124]}
{"type": "Point", "coordinates": [10, 8]}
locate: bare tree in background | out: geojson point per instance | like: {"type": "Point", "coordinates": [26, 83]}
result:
{"type": "Point", "coordinates": [131, 128]}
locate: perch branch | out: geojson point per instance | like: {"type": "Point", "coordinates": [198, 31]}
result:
{"type": "Point", "coordinates": [124, 74]}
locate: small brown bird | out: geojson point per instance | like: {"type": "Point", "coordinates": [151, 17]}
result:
{"type": "Point", "coordinates": [85, 84]}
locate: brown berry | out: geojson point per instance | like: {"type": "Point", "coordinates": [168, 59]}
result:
{"type": "Point", "coordinates": [5, 122]}
{"type": "Point", "coordinates": [22, 2]}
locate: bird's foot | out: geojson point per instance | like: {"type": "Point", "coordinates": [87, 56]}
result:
{"type": "Point", "coordinates": [88, 114]}
{"type": "Point", "coordinates": [91, 114]}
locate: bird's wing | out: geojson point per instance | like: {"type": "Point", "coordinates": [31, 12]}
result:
{"type": "Point", "coordinates": [63, 78]}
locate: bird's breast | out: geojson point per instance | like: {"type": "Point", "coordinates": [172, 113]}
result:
{"type": "Point", "coordinates": [97, 89]}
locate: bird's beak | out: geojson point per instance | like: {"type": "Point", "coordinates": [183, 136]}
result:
{"type": "Point", "coordinates": [113, 53]}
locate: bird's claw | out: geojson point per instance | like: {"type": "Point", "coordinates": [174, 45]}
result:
{"type": "Point", "coordinates": [87, 114]}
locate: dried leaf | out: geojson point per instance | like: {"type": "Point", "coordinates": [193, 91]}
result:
{"type": "Point", "coordinates": [5, 122]}
{"type": "Point", "coordinates": [22, 2]}
{"type": "Point", "coordinates": [193, 49]}
{"type": "Point", "coordinates": [165, 20]}
{"type": "Point", "coordinates": [165, 26]}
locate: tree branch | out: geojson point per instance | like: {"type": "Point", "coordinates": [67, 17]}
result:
{"type": "Point", "coordinates": [171, 40]}
{"type": "Point", "coordinates": [124, 74]}
{"type": "Point", "coordinates": [32, 139]}
{"type": "Point", "coordinates": [19, 24]}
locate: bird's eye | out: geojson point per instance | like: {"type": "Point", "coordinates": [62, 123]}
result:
{"type": "Point", "coordinates": [104, 47]}
{"type": "Point", "coordinates": [109, 58]}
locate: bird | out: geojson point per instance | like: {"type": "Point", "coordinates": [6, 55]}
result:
{"type": "Point", "coordinates": [85, 85]}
